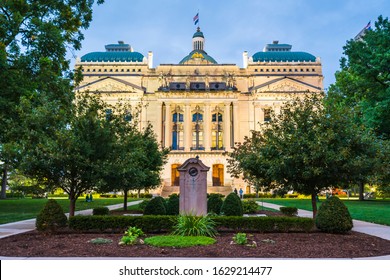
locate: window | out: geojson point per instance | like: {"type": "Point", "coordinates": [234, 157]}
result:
{"type": "Point", "coordinates": [218, 175]}
{"type": "Point", "coordinates": [177, 130]}
{"type": "Point", "coordinates": [267, 115]}
{"type": "Point", "coordinates": [175, 175]}
{"type": "Point", "coordinates": [108, 114]}
{"type": "Point", "coordinates": [217, 130]}
{"type": "Point", "coordinates": [197, 130]}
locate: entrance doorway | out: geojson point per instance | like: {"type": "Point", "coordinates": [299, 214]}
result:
{"type": "Point", "coordinates": [218, 175]}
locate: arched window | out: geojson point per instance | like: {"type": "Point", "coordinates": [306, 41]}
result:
{"type": "Point", "coordinates": [217, 130]}
{"type": "Point", "coordinates": [197, 130]}
{"type": "Point", "coordinates": [177, 129]}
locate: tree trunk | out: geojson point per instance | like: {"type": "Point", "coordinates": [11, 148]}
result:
{"type": "Point", "coordinates": [72, 205]}
{"type": "Point", "coordinates": [125, 200]}
{"type": "Point", "coordinates": [314, 204]}
{"type": "Point", "coordinates": [361, 191]}
{"type": "Point", "coordinates": [139, 193]}
{"type": "Point", "coordinates": [4, 184]}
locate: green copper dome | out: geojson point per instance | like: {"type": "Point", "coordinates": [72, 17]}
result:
{"type": "Point", "coordinates": [120, 56]}
{"type": "Point", "coordinates": [283, 57]}
{"type": "Point", "coordinates": [198, 34]}
{"type": "Point", "coordinates": [198, 55]}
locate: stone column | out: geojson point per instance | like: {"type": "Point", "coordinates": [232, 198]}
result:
{"type": "Point", "coordinates": [187, 128]}
{"type": "Point", "coordinates": [168, 125]}
{"type": "Point", "coordinates": [257, 119]}
{"type": "Point", "coordinates": [236, 120]}
{"type": "Point", "coordinates": [159, 123]}
{"type": "Point", "coordinates": [226, 127]}
{"type": "Point", "coordinates": [207, 127]}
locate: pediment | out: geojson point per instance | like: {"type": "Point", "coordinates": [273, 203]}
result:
{"type": "Point", "coordinates": [111, 85]}
{"type": "Point", "coordinates": [284, 85]}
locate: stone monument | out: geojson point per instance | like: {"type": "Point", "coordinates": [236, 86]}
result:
{"type": "Point", "coordinates": [193, 187]}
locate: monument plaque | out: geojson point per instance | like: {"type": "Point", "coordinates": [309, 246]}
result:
{"type": "Point", "coordinates": [193, 187]}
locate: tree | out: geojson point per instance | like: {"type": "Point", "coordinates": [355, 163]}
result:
{"type": "Point", "coordinates": [364, 79]}
{"type": "Point", "coordinates": [308, 148]}
{"type": "Point", "coordinates": [136, 159]}
{"type": "Point", "coordinates": [74, 158]}
{"type": "Point", "coordinates": [34, 38]}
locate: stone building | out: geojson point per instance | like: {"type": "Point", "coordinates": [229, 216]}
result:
{"type": "Point", "coordinates": [199, 107]}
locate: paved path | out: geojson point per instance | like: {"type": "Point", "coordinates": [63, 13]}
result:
{"type": "Point", "coordinates": [28, 225]}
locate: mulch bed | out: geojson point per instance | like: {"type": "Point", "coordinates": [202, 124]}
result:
{"type": "Point", "coordinates": [269, 245]}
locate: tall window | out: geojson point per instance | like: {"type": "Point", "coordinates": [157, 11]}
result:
{"type": "Point", "coordinates": [267, 115]}
{"type": "Point", "coordinates": [217, 130]}
{"type": "Point", "coordinates": [177, 130]}
{"type": "Point", "coordinates": [197, 130]}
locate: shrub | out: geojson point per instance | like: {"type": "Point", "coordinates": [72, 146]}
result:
{"type": "Point", "coordinates": [156, 206]}
{"type": "Point", "coordinates": [100, 211]}
{"type": "Point", "coordinates": [143, 204]}
{"type": "Point", "coordinates": [289, 211]}
{"type": "Point", "coordinates": [232, 205]}
{"type": "Point", "coordinates": [173, 204]}
{"type": "Point", "coordinates": [333, 216]}
{"type": "Point", "coordinates": [249, 206]}
{"type": "Point", "coordinates": [51, 218]}
{"type": "Point", "coordinates": [179, 241]}
{"type": "Point", "coordinates": [189, 225]}
{"type": "Point", "coordinates": [214, 203]}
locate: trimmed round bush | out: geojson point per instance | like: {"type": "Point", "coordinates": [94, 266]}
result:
{"type": "Point", "coordinates": [156, 206]}
{"type": "Point", "coordinates": [249, 206]}
{"type": "Point", "coordinates": [232, 205]}
{"type": "Point", "coordinates": [289, 211]}
{"type": "Point", "coordinates": [214, 203]}
{"type": "Point", "coordinates": [51, 218]}
{"type": "Point", "coordinates": [173, 204]}
{"type": "Point", "coordinates": [100, 211]}
{"type": "Point", "coordinates": [333, 216]}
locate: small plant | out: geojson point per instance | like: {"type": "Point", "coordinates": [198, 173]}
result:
{"type": "Point", "coordinates": [131, 236]}
{"type": "Point", "coordinates": [214, 203]}
{"type": "Point", "coordinates": [190, 225]}
{"type": "Point", "coordinates": [240, 238]}
{"type": "Point", "coordinates": [51, 218]}
{"type": "Point", "coordinates": [101, 211]}
{"type": "Point", "coordinates": [249, 206]}
{"type": "Point", "coordinates": [333, 216]}
{"type": "Point", "coordinates": [156, 206]}
{"type": "Point", "coordinates": [289, 211]}
{"type": "Point", "coordinates": [232, 205]}
{"type": "Point", "coordinates": [100, 240]}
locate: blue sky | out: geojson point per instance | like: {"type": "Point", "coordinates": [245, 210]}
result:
{"type": "Point", "coordinates": [230, 27]}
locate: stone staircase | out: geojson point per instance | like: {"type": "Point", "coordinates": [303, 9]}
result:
{"type": "Point", "coordinates": [168, 190]}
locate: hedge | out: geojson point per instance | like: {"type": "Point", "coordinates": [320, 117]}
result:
{"type": "Point", "coordinates": [165, 223]}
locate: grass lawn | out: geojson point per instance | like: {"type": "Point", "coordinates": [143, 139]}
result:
{"type": "Point", "coordinates": [375, 211]}
{"type": "Point", "coordinates": [13, 210]}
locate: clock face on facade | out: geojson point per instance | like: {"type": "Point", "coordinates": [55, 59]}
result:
{"type": "Point", "coordinates": [193, 171]}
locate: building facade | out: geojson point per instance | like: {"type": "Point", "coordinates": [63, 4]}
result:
{"type": "Point", "coordinates": [199, 107]}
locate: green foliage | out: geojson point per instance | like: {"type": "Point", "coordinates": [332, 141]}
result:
{"type": "Point", "coordinates": [156, 206]}
{"type": "Point", "coordinates": [289, 211]}
{"type": "Point", "coordinates": [232, 205]}
{"type": "Point", "coordinates": [101, 211]}
{"type": "Point", "coordinates": [240, 238]}
{"type": "Point", "coordinates": [307, 148]}
{"type": "Point", "coordinates": [333, 216]}
{"type": "Point", "coordinates": [150, 224]}
{"type": "Point", "coordinates": [189, 225]}
{"type": "Point", "coordinates": [178, 241]}
{"type": "Point", "coordinates": [173, 204]}
{"type": "Point", "coordinates": [214, 203]}
{"type": "Point", "coordinates": [131, 236]}
{"type": "Point", "coordinates": [100, 240]}
{"type": "Point", "coordinates": [249, 206]}
{"type": "Point", "coordinates": [51, 218]}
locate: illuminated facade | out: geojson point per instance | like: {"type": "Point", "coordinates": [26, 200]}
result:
{"type": "Point", "coordinates": [199, 107]}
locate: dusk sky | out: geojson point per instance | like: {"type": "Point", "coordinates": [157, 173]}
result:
{"type": "Point", "coordinates": [230, 27]}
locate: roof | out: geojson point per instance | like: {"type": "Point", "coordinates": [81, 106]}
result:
{"type": "Point", "coordinates": [283, 57]}
{"type": "Point", "coordinates": [198, 54]}
{"type": "Point", "coordinates": [198, 34]}
{"type": "Point", "coordinates": [112, 57]}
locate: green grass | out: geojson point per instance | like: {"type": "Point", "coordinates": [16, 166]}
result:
{"type": "Point", "coordinates": [13, 210]}
{"type": "Point", "coordinates": [375, 211]}
{"type": "Point", "coordinates": [179, 241]}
